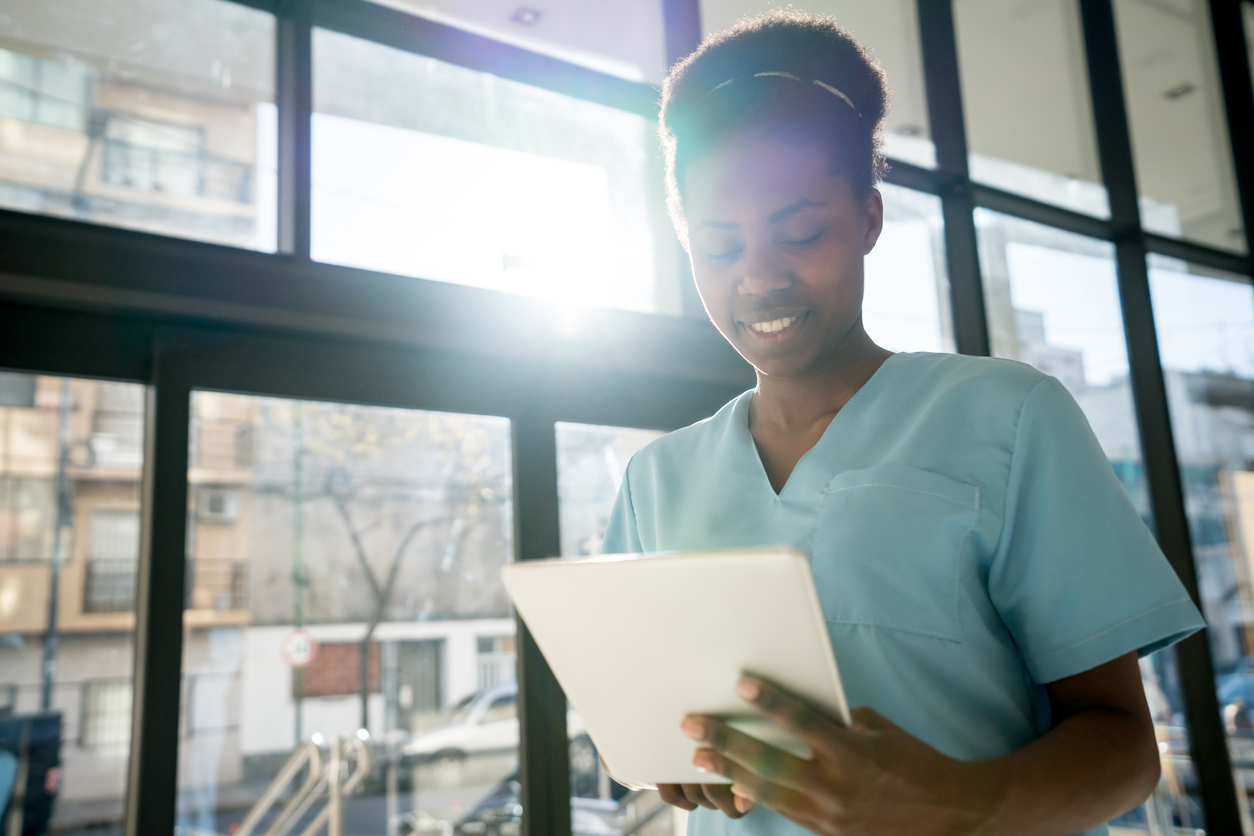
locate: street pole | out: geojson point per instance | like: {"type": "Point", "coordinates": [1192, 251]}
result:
{"type": "Point", "coordinates": [298, 550]}
{"type": "Point", "coordinates": [58, 541]}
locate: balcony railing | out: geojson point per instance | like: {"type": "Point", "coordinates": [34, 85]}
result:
{"type": "Point", "coordinates": [176, 172]}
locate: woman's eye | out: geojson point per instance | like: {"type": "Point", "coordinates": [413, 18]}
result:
{"type": "Point", "coordinates": [803, 240]}
{"type": "Point", "coordinates": [724, 253]}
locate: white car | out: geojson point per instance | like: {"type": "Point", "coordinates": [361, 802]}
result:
{"type": "Point", "coordinates": [483, 725]}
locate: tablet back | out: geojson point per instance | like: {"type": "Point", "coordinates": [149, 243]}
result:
{"type": "Point", "coordinates": [638, 642]}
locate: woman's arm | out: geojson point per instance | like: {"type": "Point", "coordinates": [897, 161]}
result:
{"type": "Point", "coordinates": [1099, 760]}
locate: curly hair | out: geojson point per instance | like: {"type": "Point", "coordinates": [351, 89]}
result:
{"type": "Point", "coordinates": [770, 61]}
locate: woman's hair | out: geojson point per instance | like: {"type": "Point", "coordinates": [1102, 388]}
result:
{"type": "Point", "coordinates": [799, 73]}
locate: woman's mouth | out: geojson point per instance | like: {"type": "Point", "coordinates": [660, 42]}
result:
{"type": "Point", "coordinates": [774, 331]}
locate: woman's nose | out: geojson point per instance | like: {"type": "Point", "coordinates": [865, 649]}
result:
{"type": "Point", "coordinates": [761, 278]}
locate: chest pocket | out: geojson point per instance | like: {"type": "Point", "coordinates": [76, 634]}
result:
{"type": "Point", "coordinates": [887, 549]}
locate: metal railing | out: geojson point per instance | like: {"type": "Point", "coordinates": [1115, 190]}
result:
{"type": "Point", "coordinates": [217, 584]}
{"type": "Point", "coordinates": [329, 781]}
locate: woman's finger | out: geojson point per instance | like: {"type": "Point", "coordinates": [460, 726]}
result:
{"type": "Point", "coordinates": [696, 794]}
{"type": "Point", "coordinates": [794, 715]}
{"type": "Point", "coordinates": [720, 795]}
{"type": "Point", "coordinates": [673, 794]}
{"type": "Point", "coordinates": [751, 788]}
{"type": "Point", "coordinates": [760, 758]}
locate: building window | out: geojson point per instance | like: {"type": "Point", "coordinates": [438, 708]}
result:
{"type": "Point", "coordinates": [17, 390]}
{"type": "Point", "coordinates": [106, 714]}
{"type": "Point", "coordinates": [113, 552]}
{"type": "Point", "coordinates": [26, 518]}
{"type": "Point", "coordinates": [42, 92]}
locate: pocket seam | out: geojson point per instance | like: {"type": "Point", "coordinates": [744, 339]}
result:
{"type": "Point", "coordinates": [975, 507]}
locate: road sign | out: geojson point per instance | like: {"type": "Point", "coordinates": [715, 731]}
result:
{"type": "Point", "coordinates": [298, 648]}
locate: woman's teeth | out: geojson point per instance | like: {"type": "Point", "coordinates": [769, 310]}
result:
{"type": "Point", "coordinates": [774, 325]}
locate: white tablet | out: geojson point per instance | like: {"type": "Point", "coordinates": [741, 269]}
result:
{"type": "Point", "coordinates": [638, 642]}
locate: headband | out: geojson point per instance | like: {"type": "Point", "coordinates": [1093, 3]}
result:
{"type": "Point", "coordinates": [829, 88]}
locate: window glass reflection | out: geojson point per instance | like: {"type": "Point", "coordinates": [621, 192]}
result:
{"type": "Point", "coordinates": [1053, 303]}
{"type": "Point", "coordinates": [344, 593]}
{"type": "Point", "coordinates": [1178, 122]}
{"type": "Point", "coordinates": [430, 170]}
{"type": "Point", "coordinates": [1205, 324]}
{"type": "Point", "coordinates": [1025, 96]}
{"type": "Point", "coordinates": [154, 115]}
{"type": "Point", "coordinates": [905, 305]}
{"type": "Point", "coordinates": [623, 38]}
{"type": "Point", "coordinates": [69, 538]}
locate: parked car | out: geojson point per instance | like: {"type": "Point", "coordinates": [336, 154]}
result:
{"type": "Point", "coordinates": [482, 726]}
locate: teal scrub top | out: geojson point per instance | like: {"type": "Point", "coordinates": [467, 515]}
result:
{"type": "Point", "coordinates": [968, 537]}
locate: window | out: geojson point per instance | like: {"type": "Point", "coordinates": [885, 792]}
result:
{"type": "Point", "coordinates": [431, 170]}
{"type": "Point", "coordinates": [82, 706]}
{"type": "Point", "coordinates": [112, 558]}
{"type": "Point", "coordinates": [17, 389]}
{"type": "Point", "coordinates": [42, 92]}
{"type": "Point", "coordinates": [502, 709]}
{"type": "Point", "coordinates": [1179, 127]}
{"type": "Point", "coordinates": [106, 714]}
{"type": "Point", "coordinates": [1025, 96]}
{"type": "Point", "coordinates": [890, 30]}
{"type": "Point", "coordinates": [1205, 325]}
{"type": "Point", "coordinates": [367, 529]}
{"type": "Point", "coordinates": [162, 120]}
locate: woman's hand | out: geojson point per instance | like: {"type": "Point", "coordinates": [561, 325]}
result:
{"type": "Point", "coordinates": [873, 778]}
{"type": "Point", "coordinates": [711, 796]}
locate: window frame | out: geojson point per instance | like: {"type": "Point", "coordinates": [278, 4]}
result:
{"type": "Point", "coordinates": [181, 315]}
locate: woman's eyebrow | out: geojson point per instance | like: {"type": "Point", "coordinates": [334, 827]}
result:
{"type": "Point", "coordinates": [793, 208]}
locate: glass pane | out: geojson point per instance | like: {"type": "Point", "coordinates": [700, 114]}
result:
{"type": "Point", "coordinates": [1053, 303]}
{"type": "Point", "coordinates": [1025, 94]}
{"type": "Point", "coordinates": [155, 115]}
{"type": "Point", "coordinates": [1179, 126]}
{"type": "Point", "coordinates": [905, 306]}
{"type": "Point", "coordinates": [623, 38]}
{"type": "Point", "coordinates": [427, 169]}
{"type": "Point", "coordinates": [591, 462]}
{"type": "Point", "coordinates": [65, 669]}
{"type": "Point", "coordinates": [1205, 324]}
{"type": "Point", "coordinates": [889, 29]}
{"type": "Point", "coordinates": [343, 591]}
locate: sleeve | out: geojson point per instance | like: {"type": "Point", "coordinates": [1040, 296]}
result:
{"type": "Point", "coordinates": [1076, 576]}
{"type": "Point", "coordinates": [621, 534]}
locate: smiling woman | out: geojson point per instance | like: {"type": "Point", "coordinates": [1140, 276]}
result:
{"type": "Point", "coordinates": [964, 528]}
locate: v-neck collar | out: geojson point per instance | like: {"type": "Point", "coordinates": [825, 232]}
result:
{"type": "Point", "coordinates": [740, 417]}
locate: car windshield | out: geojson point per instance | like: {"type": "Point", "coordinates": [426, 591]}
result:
{"type": "Point", "coordinates": [460, 712]}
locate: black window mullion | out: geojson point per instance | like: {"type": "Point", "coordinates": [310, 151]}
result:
{"type": "Point", "coordinates": [544, 764]}
{"type": "Point", "coordinates": [1207, 742]}
{"type": "Point", "coordinates": [944, 109]}
{"type": "Point", "coordinates": [159, 599]}
{"type": "Point", "coordinates": [1234, 73]}
{"type": "Point", "coordinates": [294, 87]}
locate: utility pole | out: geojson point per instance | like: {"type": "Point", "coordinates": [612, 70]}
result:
{"type": "Point", "coordinates": [298, 549]}
{"type": "Point", "coordinates": [62, 519]}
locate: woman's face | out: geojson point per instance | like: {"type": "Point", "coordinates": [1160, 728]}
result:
{"type": "Point", "coordinates": [777, 239]}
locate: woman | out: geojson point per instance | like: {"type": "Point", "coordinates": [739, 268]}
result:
{"type": "Point", "coordinates": [987, 584]}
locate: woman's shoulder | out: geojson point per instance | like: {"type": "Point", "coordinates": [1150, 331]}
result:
{"type": "Point", "coordinates": [699, 439]}
{"type": "Point", "coordinates": [994, 379]}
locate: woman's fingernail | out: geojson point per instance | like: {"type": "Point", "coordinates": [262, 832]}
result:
{"type": "Point", "coordinates": [692, 728]}
{"type": "Point", "coordinates": [747, 689]}
{"type": "Point", "coordinates": [740, 792]}
{"type": "Point", "coordinates": [703, 763]}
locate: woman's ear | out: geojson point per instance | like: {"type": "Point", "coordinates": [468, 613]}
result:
{"type": "Point", "coordinates": [873, 214]}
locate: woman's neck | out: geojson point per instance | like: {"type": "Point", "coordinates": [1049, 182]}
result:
{"type": "Point", "coordinates": [788, 406]}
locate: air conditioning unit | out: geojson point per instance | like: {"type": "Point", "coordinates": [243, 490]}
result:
{"type": "Point", "coordinates": [217, 505]}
